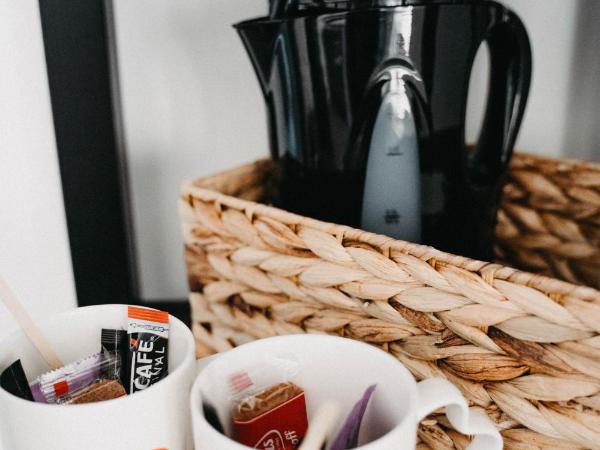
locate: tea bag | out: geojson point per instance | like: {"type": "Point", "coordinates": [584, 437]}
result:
{"type": "Point", "coordinates": [347, 437]}
{"type": "Point", "coordinates": [14, 380]}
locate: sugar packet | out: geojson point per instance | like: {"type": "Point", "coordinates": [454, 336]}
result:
{"type": "Point", "coordinates": [268, 408]}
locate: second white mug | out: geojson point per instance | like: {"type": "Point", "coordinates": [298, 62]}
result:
{"type": "Point", "coordinates": [338, 369]}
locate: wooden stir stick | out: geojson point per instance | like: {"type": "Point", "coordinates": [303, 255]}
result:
{"type": "Point", "coordinates": [29, 327]}
{"type": "Point", "coordinates": [320, 426]}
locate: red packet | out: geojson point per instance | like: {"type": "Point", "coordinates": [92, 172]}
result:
{"type": "Point", "coordinates": [273, 419]}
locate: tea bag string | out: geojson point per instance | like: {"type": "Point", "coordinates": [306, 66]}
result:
{"type": "Point", "coordinates": [29, 327]}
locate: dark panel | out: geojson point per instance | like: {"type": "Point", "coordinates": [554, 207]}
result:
{"type": "Point", "coordinates": [92, 171]}
{"type": "Point", "coordinates": [179, 309]}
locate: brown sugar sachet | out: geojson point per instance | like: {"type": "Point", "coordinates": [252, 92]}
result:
{"type": "Point", "coordinates": [101, 390]}
{"type": "Point", "coordinates": [275, 415]}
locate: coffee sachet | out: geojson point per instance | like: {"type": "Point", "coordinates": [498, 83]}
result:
{"type": "Point", "coordinates": [147, 358]}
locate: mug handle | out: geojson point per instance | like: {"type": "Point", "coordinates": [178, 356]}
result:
{"type": "Point", "coordinates": [436, 393]}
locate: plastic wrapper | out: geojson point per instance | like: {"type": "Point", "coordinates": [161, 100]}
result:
{"type": "Point", "coordinates": [64, 385]}
{"type": "Point", "coordinates": [115, 342]}
{"type": "Point", "coordinates": [147, 358]}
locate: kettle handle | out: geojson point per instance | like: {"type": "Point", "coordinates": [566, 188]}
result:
{"type": "Point", "coordinates": [510, 77]}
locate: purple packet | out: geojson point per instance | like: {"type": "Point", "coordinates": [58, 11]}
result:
{"type": "Point", "coordinates": [59, 385]}
{"type": "Point", "coordinates": [347, 437]}
{"type": "Point", "coordinates": [36, 392]}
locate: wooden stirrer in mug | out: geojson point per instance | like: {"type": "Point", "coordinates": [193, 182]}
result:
{"type": "Point", "coordinates": [29, 327]}
{"type": "Point", "coordinates": [320, 426]}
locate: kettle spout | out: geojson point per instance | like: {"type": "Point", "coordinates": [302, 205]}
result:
{"type": "Point", "coordinates": [259, 37]}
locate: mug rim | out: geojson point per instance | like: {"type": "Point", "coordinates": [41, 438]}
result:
{"type": "Point", "coordinates": [189, 356]}
{"type": "Point", "coordinates": [196, 394]}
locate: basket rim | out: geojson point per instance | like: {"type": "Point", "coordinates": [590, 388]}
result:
{"type": "Point", "coordinates": [593, 165]}
{"type": "Point", "coordinates": [204, 189]}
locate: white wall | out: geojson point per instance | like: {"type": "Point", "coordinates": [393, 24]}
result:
{"type": "Point", "coordinates": [551, 27]}
{"type": "Point", "coordinates": [192, 105]}
{"type": "Point", "coordinates": [34, 252]}
{"type": "Point", "coordinates": [564, 101]}
{"type": "Point", "coordinates": [582, 139]}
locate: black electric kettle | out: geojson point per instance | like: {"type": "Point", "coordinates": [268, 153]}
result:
{"type": "Point", "coordinates": [366, 104]}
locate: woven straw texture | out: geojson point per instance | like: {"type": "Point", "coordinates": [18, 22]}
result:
{"type": "Point", "coordinates": [550, 219]}
{"type": "Point", "coordinates": [522, 347]}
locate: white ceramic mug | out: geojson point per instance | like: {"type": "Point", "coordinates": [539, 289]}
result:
{"type": "Point", "coordinates": [333, 368]}
{"type": "Point", "coordinates": [157, 418]}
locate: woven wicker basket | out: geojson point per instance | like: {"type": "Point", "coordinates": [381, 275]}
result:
{"type": "Point", "coordinates": [550, 219]}
{"type": "Point", "coordinates": [524, 347]}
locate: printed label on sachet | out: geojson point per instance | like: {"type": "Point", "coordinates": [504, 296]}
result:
{"type": "Point", "coordinates": [281, 428]}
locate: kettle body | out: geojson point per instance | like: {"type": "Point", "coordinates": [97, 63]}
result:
{"type": "Point", "coordinates": [366, 110]}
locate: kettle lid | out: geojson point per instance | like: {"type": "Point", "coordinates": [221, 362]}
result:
{"type": "Point", "coordinates": [344, 5]}
{"type": "Point", "coordinates": [285, 9]}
